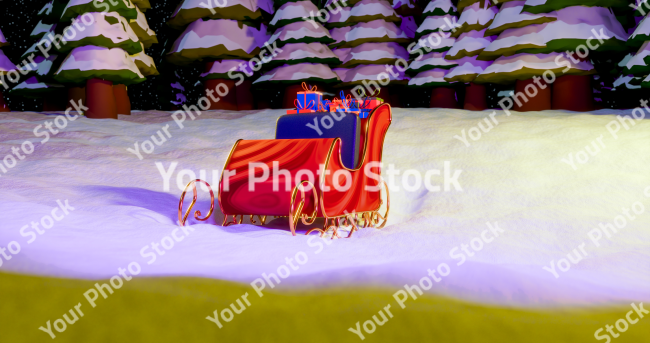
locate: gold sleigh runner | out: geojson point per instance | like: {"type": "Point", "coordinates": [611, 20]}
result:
{"type": "Point", "coordinates": [354, 220]}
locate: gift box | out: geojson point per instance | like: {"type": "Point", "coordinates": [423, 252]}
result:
{"type": "Point", "coordinates": [335, 105]}
{"type": "Point", "coordinates": [302, 108]}
{"type": "Point", "coordinates": [364, 113]}
{"type": "Point", "coordinates": [310, 97]}
{"type": "Point", "coordinates": [371, 103]}
{"type": "Point", "coordinates": [324, 106]}
{"type": "Point", "coordinates": [367, 105]}
{"type": "Point", "coordinates": [342, 105]}
{"type": "Point", "coordinates": [298, 111]}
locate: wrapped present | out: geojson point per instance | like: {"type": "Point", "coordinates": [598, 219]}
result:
{"type": "Point", "coordinates": [302, 108]}
{"type": "Point", "coordinates": [343, 104]}
{"type": "Point", "coordinates": [371, 103]}
{"type": "Point", "coordinates": [364, 113]}
{"type": "Point", "coordinates": [367, 105]}
{"type": "Point", "coordinates": [335, 105]}
{"type": "Point", "coordinates": [310, 97]}
{"type": "Point", "coordinates": [324, 106]}
{"type": "Point", "coordinates": [297, 111]}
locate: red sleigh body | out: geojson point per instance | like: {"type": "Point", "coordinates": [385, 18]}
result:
{"type": "Point", "coordinates": [352, 199]}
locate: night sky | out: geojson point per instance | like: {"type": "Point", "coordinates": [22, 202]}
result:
{"type": "Point", "coordinates": [19, 19]}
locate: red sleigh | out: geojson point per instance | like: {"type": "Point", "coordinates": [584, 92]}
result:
{"type": "Point", "coordinates": [342, 197]}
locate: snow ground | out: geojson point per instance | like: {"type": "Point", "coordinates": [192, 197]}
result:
{"type": "Point", "coordinates": [513, 176]}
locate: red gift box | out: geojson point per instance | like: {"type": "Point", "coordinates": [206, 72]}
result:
{"type": "Point", "coordinates": [341, 104]}
{"type": "Point", "coordinates": [302, 109]}
{"type": "Point", "coordinates": [370, 103]}
{"type": "Point", "coordinates": [297, 111]}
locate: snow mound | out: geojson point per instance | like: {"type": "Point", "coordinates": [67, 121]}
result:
{"type": "Point", "coordinates": [292, 12]}
{"type": "Point", "coordinates": [301, 32]}
{"type": "Point", "coordinates": [108, 30]}
{"type": "Point", "coordinates": [439, 7]}
{"type": "Point", "coordinates": [507, 69]}
{"type": "Point", "coordinates": [375, 53]}
{"type": "Point", "coordinates": [431, 60]}
{"type": "Point", "coordinates": [295, 73]}
{"type": "Point", "coordinates": [305, 53]}
{"type": "Point", "coordinates": [430, 78]}
{"type": "Point", "coordinates": [90, 61]}
{"type": "Point", "coordinates": [214, 39]}
{"type": "Point", "coordinates": [369, 72]}
{"type": "Point", "coordinates": [574, 25]}
{"type": "Point", "coordinates": [512, 176]}
{"type": "Point", "coordinates": [375, 31]}
{"type": "Point", "coordinates": [219, 69]}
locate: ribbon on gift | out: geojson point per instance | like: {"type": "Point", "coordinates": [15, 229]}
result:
{"type": "Point", "coordinates": [346, 101]}
{"type": "Point", "coordinates": [305, 86]}
{"type": "Point", "coordinates": [370, 102]}
{"type": "Point", "coordinates": [362, 94]}
{"type": "Point", "coordinates": [300, 107]}
{"type": "Point", "coordinates": [336, 103]}
{"type": "Point", "coordinates": [310, 97]}
{"type": "Point", "coordinates": [355, 105]}
{"type": "Point", "coordinates": [324, 106]}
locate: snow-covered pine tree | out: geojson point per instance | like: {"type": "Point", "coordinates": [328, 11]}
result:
{"type": "Point", "coordinates": [100, 55]}
{"type": "Point", "coordinates": [369, 41]}
{"type": "Point", "coordinates": [5, 67]}
{"type": "Point", "coordinates": [428, 63]}
{"type": "Point", "coordinates": [40, 83]}
{"type": "Point", "coordinates": [638, 65]}
{"type": "Point", "coordinates": [471, 38]}
{"type": "Point", "coordinates": [223, 35]}
{"type": "Point", "coordinates": [523, 53]}
{"type": "Point", "coordinates": [305, 56]}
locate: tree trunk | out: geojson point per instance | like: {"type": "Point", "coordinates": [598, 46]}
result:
{"type": "Point", "coordinates": [245, 96]}
{"type": "Point", "coordinates": [122, 101]}
{"type": "Point", "coordinates": [52, 102]}
{"type": "Point", "coordinates": [540, 99]}
{"type": "Point", "coordinates": [75, 94]}
{"type": "Point", "coordinates": [475, 97]}
{"type": "Point", "coordinates": [3, 105]}
{"type": "Point", "coordinates": [227, 102]}
{"type": "Point", "coordinates": [100, 98]}
{"type": "Point", "coordinates": [573, 93]}
{"type": "Point", "coordinates": [263, 102]}
{"type": "Point", "coordinates": [443, 97]}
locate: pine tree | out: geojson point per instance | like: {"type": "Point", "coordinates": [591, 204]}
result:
{"type": "Point", "coordinates": [100, 43]}
{"type": "Point", "coordinates": [429, 63]}
{"type": "Point", "coordinates": [524, 52]}
{"type": "Point", "coordinates": [40, 81]}
{"type": "Point", "coordinates": [223, 35]}
{"type": "Point", "coordinates": [471, 40]}
{"type": "Point", "coordinates": [305, 56]}
{"type": "Point", "coordinates": [5, 67]}
{"type": "Point", "coordinates": [369, 42]}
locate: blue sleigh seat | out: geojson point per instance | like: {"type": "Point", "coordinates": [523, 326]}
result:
{"type": "Point", "coordinates": [346, 126]}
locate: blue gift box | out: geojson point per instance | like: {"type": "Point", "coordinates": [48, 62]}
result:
{"type": "Point", "coordinates": [324, 106]}
{"type": "Point", "coordinates": [309, 98]}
